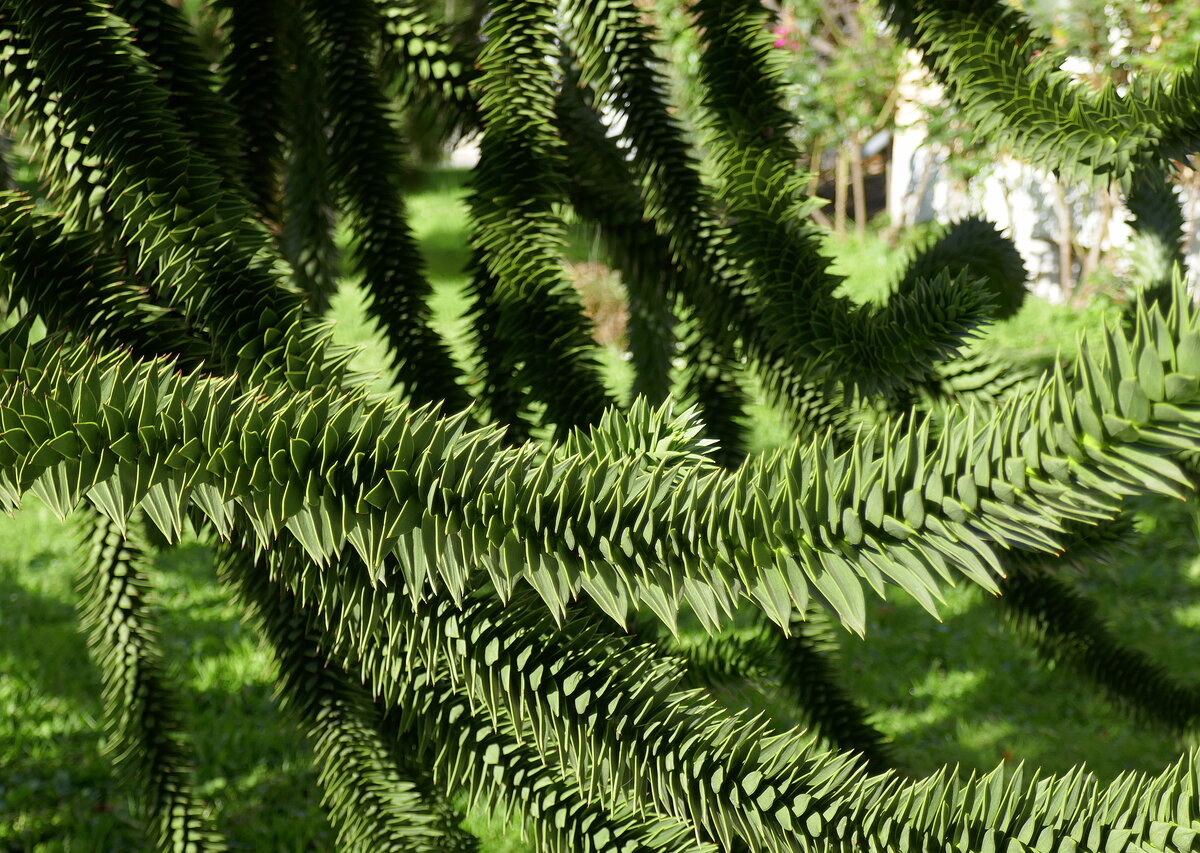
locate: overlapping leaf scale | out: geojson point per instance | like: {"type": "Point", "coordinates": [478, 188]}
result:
{"type": "Point", "coordinates": [208, 120]}
{"type": "Point", "coordinates": [794, 296]}
{"type": "Point", "coordinates": [403, 659]}
{"type": "Point", "coordinates": [373, 805]}
{"type": "Point", "coordinates": [73, 285]}
{"type": "Point", "coordinates": [431, 71]}
{"type": "Point", "coordinates": [308, 204]}
{"type": "Point", "coordinates": [256, 85]}
{"type": "Point", "coordinates": [140, 710]}
{"type": "Point", "coordinates": [1011, 89]}
{"type": "Point", "coordinates": [365, 155]}
{"type": "Point", "coordinates": [197, 235]}
{"type": "Point", "coordinates": [975, 246]}
{"type": "Point", "coordinates": [517, 233]}
{"type": "Point", "coordinates": [74, 180]}
{"type": "Point", "coordinates": [604, 191]}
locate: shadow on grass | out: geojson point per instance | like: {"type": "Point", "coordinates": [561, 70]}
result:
{"type": "Point", "coordinates": [967, 690]}
{"type": "Point", "coordinates": [58, 791]}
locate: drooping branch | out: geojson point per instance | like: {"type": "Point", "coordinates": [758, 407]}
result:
{"type": "Point", "coordinates": [365, 157]}
{"type": "Point", "coordinates": [141, 712]}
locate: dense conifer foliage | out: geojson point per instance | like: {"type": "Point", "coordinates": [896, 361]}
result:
{"type": "Point", "coordinates": [471, 583]}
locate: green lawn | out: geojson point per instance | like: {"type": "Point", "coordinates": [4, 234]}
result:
{"type": "Point", "coordinates": [957, 691]}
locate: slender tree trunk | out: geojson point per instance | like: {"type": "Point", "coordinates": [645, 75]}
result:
{"type": "Point", "coordinates": [840, 180]}
{"type": "Point", "coordinates": [1091, 260]}
{"type": "Point", "coordinates": [859, 184]}
{"type": "Point", "coordinates": [1190, 178]}
{"type": "Point", "coordinates": [814, 167]}
{"type": "Point", "coordinates": [1066, 240]}
{"type": "Point", "coordinates": [918, 196]}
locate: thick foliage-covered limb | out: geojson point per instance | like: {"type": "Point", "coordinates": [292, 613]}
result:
{"type": "Point", "coordinates": [1159, 226]}
{"type": "Point", "coordinates": [517, 233]}
{"type": "Point", "coordinates": [76, 184]}
{"type": "Point", "coordinates": [485, 755]}
{"type": "Point", "coordinates": [1011, 91]}
{"type": "Point", "coordinates": [365, 155]}
{"type": "Point", "coordinates": [807, 661]}
{"type": "Point", "coordinates": [711, 378]}
{"type": "Point", "coordinates": [27, 457]}
{"type": "Point", "coordinates": [256, 86]}
{"type": "Point", "coordinates": [972, 250]}
{"type": "Point", "coordinates": [604, 191]}
{"type": "Point", "coordinates": [372, 804]}
{"type": "Point", "coordinates": [977, 254]}
{"type": "Point", "coordinates": [614, 49]}
{"type": "Point", "coordinates": [631, 512]}
{"type": "Point", "coordinates": [589, 704]}
{"type": "Point", "coordinates": [871, 347]}
{"type": "Point", "coordinates": [504, 401]}
{"type": "Point", "coordinates": [499, 769]}
{"type": "Point", "coordinates": [205, 246]}
{"type": "Point", "coordinates": [804, 664]}
{"type": "Point", "coordinates": [208, 120]}
{"type": "Point", "coordinates": [309, 206]}
{"type": "Point", "coordinates": [432, 72]}
{"type": "Point", "coordinates": [604, 705]}
{"type": "Point", "coordinates": [141, 713]}
{"type": "Point", "coordinates": [74, 286]}
{"type": "Point", "coordinates": [1174, 101]}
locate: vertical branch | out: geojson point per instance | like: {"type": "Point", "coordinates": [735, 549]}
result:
{"type": "Point", "coordinates": [365, 154]}
{"type": "Point", "coordinates": [140, 712]}
{"type": "Point", "coordinates": [255, 84]}
{"type": "Point", "coordinates": [518, 233]}
{"type": "Point", "coordinates": [374, 805]}
{"type": "Point", "coordinates": [308, 199]}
